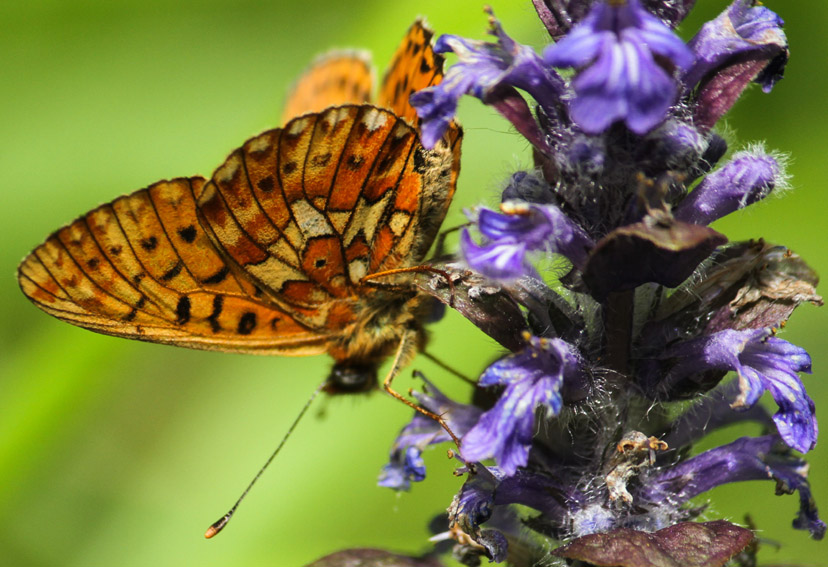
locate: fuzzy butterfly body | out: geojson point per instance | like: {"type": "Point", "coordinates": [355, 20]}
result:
{"type": "Point", "coordinates": [276, 253]}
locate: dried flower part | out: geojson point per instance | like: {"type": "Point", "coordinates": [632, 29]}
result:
{"type": "Point", "coordinates": [747, 285]}
{"type": "Point", "coordinates": [659, 249]}
{"type": "Point", "coordinates": [709, 544]}
{"type": "Point", "coordinates": [480, 300]}
{"type": "Point", "coordinates": [634, 452]}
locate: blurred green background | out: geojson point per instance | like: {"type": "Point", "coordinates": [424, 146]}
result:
{"type": "Point", "coordinates": [115, 452]}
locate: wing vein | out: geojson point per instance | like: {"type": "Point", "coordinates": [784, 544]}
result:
{"type": "Point", "coordinates": [114, 267]}
{"type": "Point", "coordinates": [220, 252]}
{"type": "Point", "coordinates": [368, 177]}
{"type": "Point", "coordinates": [229, 209]}
{"type": "Point", "coordinates": [86, 274]}
{"type": "Point", "coordinates": [143, 268]}
{"type": "Point", "coordinates": [282, 235]}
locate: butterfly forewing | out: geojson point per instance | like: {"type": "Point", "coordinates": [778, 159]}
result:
{"type": "Point", "coordinates": [414, 66]}
{"type": "Point", "coordinates": [142, 267]}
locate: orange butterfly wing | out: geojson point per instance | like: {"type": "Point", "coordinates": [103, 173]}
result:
{"type": "Point", "coordinates": [268, 255]}
{"type": "Point", "coordinates": [414, 66]}
{"type": "Point", "coordinates": [142, 267]}
{"type": "Point", "coordinates": [308, 210]}
{"type": "Point", "coordinates": [338, 77]}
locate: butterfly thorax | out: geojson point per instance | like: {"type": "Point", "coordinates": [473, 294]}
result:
{"type": "Point", "coordinates": [385, 316]}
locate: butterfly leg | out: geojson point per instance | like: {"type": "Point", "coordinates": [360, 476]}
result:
{"type": "Point", "coordinates": [440, 243]}
{"type": "Point", "coordinates": [418, 269]}
{"type": "Point", "coordinates": [405, 351]}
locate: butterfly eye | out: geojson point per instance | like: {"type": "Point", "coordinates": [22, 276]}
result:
{"type": "Point", "coordinates": [350, 378]}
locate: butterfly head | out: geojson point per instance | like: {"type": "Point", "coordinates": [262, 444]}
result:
{"type": "Point", "coordinates": [349, 377]}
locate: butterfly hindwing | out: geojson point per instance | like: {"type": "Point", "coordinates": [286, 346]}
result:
{"type": "Point", "coordinates": [142, 267]}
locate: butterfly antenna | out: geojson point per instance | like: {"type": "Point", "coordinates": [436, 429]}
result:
{"type": "Point", "coordinates": [219, 525]}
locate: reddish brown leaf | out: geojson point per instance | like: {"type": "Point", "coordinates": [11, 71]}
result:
{"type": "Point", "coordinates": [686, 544]}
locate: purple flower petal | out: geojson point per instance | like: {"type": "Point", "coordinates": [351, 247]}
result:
{"type": "Point", "coordinates": [473, 506]}
{"type": "Point", "coordinates": [747, 178]}
{"type": "Point", "coordinates": [405, 462]}
{"type": "Point", "coordinates": [521, 229]}
{"type": "Point", "coordinates": [745, 43]}
{"type": "Point", "coordinates": [619, 79]}
{"type": "Point", "coordinates": [743, 31]}
{"type": "Point", "coordinates": [744, 459]}
{"type": "Point", "coordinates": [533, 378]}
{"type": "Point", "coordinates": [762, 362]}
{"type": "Point", "coordinates": [487, 71]}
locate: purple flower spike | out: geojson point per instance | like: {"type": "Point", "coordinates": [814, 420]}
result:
{"type": "Point", "coordinates": [523, 228]}
{"type": "Point", "coordinates": [619, 79]}
{"type": "Point", "coordinates": [747, 178]}
{"type": "Point", "coordinates": [490, 72]}
{"type": "Point", "coordinates": [744, 459]}
{"type": "Point", "coordinates": [762, 362]}
{"type": "Point", "coordinates": [533, 378]}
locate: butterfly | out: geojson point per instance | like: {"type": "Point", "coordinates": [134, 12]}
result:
{"type": "Point", "coordinates": [304, 241]}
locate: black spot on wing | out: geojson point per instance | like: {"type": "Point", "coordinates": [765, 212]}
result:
{"type": "Point", "coordinates": [149, 244]}
{"type": "Point", "coordinates": [172, 272]}
{"type": "Point", "coordinates": [266, 184]}
{"type": "Point", "coordinates": [247, 323]}
{"type": "Point", "coordinates": [188, 234]}
{"type": "Point", "coordinates": [218, 305]}
{"type": "Point", "coordinates": [355, 162]}
{"type": "Point", "coordinates": [182, 310]}
{"type": "Point", "coordinates": [321, 160]}
{"type": "Point", "coordinates": [218, 277]}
